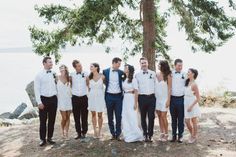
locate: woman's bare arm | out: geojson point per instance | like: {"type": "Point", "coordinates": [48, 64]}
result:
{"type": "Point", "coordinates": [169, 83]}
{"type": "Point", "coordinates": [196, 93]}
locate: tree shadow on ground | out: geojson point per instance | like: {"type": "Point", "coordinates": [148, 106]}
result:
{"type": "Point", "coordinates": [214, 136]}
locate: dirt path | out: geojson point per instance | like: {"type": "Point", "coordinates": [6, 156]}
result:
{"type": "Point", "coordinates": [217, 138]}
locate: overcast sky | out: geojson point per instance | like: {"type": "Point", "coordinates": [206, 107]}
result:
{"type": "Point", "coordinates": [17, 15]}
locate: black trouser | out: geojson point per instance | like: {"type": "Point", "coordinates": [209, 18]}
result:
{"type": "Point", "coordinates": [147, 105]}
{"type": "Point", "coordinates": [80, 112]}
{"type": "Point", "coordinates": [49, 112]}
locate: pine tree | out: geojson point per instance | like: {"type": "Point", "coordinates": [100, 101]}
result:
{"type": "Point", "coordinates": [205, 23]}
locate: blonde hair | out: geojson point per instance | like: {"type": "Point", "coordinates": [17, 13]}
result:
{"type": "Point", "coordinates": [66, 71]}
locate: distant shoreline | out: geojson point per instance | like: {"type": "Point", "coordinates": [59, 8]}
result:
{"type": "Point", "coordinates": [69, 49]}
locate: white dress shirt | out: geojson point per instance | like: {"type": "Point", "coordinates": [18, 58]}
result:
{"type": "Point", "coordinates": [146, 82]}
{"type": "Point", "coordinates": [178, 83]}
{"type": "Point", "coordinates": [44, 85]}
{"type": "Point", "coordinates": [114, 85]}
{"type": "Point", "coordinates": [79, 85]}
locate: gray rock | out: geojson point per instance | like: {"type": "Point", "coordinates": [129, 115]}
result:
{"type": "Point", "coordinates": [18, 111]}
{"type": "Point", "coordinates": [28, 114]}
{"type": "Point", "coordinates": [5, 115]}
{"type": "Point", "coordinates": [30, 91]}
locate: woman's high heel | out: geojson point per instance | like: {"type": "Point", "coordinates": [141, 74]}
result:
{"type": "Point", "coordinates": [165, 138]}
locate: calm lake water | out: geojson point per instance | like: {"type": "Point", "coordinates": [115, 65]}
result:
{"type": "Point", "coordinates": [18, 69]}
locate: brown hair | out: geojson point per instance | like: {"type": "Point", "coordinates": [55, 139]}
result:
{"type": "Point", "coordinates": [45, 59]}
{"type": "Point", "coordinates": [75, 62]}
{"type": "Point", "coordinates": [131, 73]}
{"type": "Point", "coordinates": [116, 60]}
{"type": "Point", "coordinates": [67, 72]}
{"type": "Point", "coordinates": [178, 61]}
{"type": "Point", "coordinates": [142, 58]}
{"type": "Point", "coordinates": [165, 69]}
{"type": "Point", "coordinates": [195, 74]}
{"type": "Point", "coordinates": [96, 65]}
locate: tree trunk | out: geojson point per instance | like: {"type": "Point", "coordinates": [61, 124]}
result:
{"type": "Point", "coordinates": [149, 33]}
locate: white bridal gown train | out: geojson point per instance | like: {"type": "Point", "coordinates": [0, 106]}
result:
{"type": "Point", "coordinates": [131, 130]}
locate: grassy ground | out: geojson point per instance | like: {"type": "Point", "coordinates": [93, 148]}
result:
{"type": "Point", "coordinates": [217, 137]}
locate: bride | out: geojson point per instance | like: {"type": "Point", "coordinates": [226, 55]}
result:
{"type": "Point", "coordinates": [131, 130]}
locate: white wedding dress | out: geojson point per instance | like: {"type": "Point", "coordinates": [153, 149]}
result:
{"type": "Point", "coordinates": [64, 96]}
{"type": "Point", "coordinates": [189, 98]}
{"type": "Point", "coordinates": [131, 130]}
{"type": "Point", "coordinates": [96, 98]}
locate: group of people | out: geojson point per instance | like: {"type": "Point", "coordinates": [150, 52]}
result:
{"type": "Point", "coordinates": [123, 95]}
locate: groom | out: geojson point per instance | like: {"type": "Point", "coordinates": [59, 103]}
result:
{"type": "Point", "coordinates": [114, 96]}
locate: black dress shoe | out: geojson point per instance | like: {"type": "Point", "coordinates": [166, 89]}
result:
{"type": "Point", "coordinates": [118, 138]}
{"type": "Point", "coordinates": [42, 143]}
{"type": "Point", "coordinates": [145, 139]}
{"type": "Point", "coordinates": [150, 139]}
{"type": "Point", "coordinates": [173, 139]}
{"type": "Point", "coordinates": [77, 137]}
{"type": "Point", "coordinates": [113, 138]}
{"type": "Point", "coordinates": [50, 141]}
{"type": "Point", "coordinates": [180, 139]}
{"type": "Point", "coordinates": [83, 136]}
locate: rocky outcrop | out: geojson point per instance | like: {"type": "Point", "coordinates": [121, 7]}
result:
{"type": "Point", "coordinates": [5, 115]}
{"type": "Point", "coordinates": [30, 91]}
{"type": "Point", "coordinates": [17, 112]}
{"type": "Point", "coordinates": [28, 114]}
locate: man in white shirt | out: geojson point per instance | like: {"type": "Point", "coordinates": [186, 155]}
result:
{"type": "Point", "coordinates": [45, 93]}
{"type": "Point", "coordinates": [114, 96]}
{"type": "Point", "coordinates": [177, 101]}
{"type": "Point", "coordinates": [147, 101]}
{"type": "Point", "coordinates": [79, 82]}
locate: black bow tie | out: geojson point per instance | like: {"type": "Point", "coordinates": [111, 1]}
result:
{"type": "Point", "coordinates": [49, 71]}
{"type": "Point", "coordinates": [145, 72]}
{"type": "Point", "coordinates": [114, 70]}
{"type": "Point", "coordinates": [177, 72]}
{"type": "Point", "coordinates": [78, 73]}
